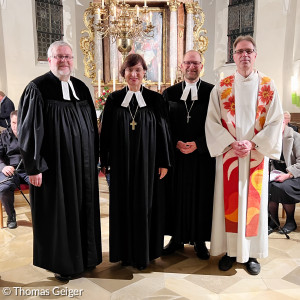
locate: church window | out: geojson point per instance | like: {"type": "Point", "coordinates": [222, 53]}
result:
{"type": "Point", "coordinates": [240, 22]}
{"type": "Point", "coordinates": [49, 25]}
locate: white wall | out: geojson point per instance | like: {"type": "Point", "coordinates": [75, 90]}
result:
{"type": "Point", "coordinates": [277, 34]}
{"type": "Point", "coordinates": [18, 55]}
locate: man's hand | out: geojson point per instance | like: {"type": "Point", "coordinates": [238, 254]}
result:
{"type": "Point", "coordinates": [282, 177]}
{"type": "Point", "coordinates": [36, 180]}
{"type": "Point", "coordinates": [8, 171]}
{"type": "Point", "coordinates": [186, 148]}
{"type": "Point", "coordinates": [162, 172]}
{"type": "Point", "coordinates": [242, 148]}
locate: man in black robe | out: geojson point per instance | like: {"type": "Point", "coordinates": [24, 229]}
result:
{"type": "Point", "coordinates": [189, 210]}
{"type": "Point", "coordinates": [58, 139]}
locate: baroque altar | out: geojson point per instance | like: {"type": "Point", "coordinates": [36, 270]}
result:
{"type": "Point", "coordinates": [161, 31]}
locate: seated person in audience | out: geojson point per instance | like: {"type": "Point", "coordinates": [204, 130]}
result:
{"type": "Point", "coordinates": [6, 107]}
{"type": "Point", "coordinates": [285, 181]}
{"type": "Point", "coordinates": [287, 120]}
{"type": "Point", "coordinates": [9, 160]}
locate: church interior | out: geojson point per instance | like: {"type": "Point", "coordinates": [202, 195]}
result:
{"type": "Point", "coordinates": [169, 29]}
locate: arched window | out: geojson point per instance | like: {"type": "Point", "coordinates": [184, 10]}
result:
{"type": "Point", "coordinates": [240, 22]}
{"type": "Point", "coordinates": [49, 24]}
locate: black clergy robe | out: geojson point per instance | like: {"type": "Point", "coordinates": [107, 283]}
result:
{"type": "Point", "coordinates": [191, 181]}
{"type": "Point", "coordinates": [134, 156]}
{"type": "Point", "coordinates": [59, 138]}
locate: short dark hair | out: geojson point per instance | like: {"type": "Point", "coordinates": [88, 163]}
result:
{"type": "Point", "coordinates": [14, 113]}
{"type": "Point", "coordinates": [132, 60]}
{"type": "Point", "coordinates": [248, 38]}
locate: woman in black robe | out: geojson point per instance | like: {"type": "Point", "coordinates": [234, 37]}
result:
{"type": "Point", "coordinates": [134, 145]}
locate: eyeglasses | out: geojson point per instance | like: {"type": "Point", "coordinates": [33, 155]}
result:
{"type": "Point", "coordinates": [241, 51]}
{"type": "Point", "coordinates": [62, 57]}
{"type": "Point", "coordinates": [195, 63]}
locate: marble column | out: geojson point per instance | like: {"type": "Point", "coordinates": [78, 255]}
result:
{"type": "Point", "coordinates": [189, 44]}
{"type": "Point", "coordinates": [173, 40]}
{"type": "Point", "coordinates": [114, 66]}
{"type": "Point", "coordinates": [99, 61]}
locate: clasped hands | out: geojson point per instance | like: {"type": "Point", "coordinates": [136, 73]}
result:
{"type": "Point", "coordinates": [186, 148]}
{"type": "Point", "coordinates": [242, 148]}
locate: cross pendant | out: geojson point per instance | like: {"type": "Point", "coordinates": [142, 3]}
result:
{"type": "Point", "coordinates": [188, 118]}
{"type": "Point", "coordinates": [133, 124]}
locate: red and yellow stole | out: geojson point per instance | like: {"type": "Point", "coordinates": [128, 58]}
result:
{"type": "Point", "coordinates": [230, 160]}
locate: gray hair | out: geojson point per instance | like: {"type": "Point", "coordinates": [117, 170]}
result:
{"type": "Point", "coordinates": [287, 113]}
{"type": "Point", "coordinates": [241, 38]}
{"type": "Point", "coordinates": [57, 44]}
{"type": "Point", "coordinates": [14, 113]}
{"type": "Point", "coordinates": [2, 94]}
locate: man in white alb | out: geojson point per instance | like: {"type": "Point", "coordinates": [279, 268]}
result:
{"type": "Point", "coordinates": [243, 129]}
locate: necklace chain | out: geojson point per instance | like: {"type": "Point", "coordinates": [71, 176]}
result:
{"type": "Point", "coordinates": [133, 122]}
{"type": "Point", "coordinates": [188, 117]}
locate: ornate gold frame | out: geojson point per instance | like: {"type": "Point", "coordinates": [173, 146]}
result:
{"type": "Point", "coordinates": [87, 44]}
{"type": "Point", "coordinates": [164, 44]}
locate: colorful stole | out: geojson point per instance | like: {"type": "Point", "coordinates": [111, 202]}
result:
{"type": "Point", "coordinates": [230, 160]}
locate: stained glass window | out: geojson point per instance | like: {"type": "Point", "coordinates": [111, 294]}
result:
{"type": "Point", "coordinates": [49, 24]}
{"type": "Point", "coordinates": [240, 22]}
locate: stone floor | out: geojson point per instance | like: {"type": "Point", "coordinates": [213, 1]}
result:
{"type": "Point", "coordinates": [180, 276]}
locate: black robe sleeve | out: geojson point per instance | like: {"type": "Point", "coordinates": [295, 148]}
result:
{"type": "Point", "coordinates": [105, 134]}
{"type": "Point", "coordinates": [31, 130]}
{"type": "Point", "coordinates": [164, 143]}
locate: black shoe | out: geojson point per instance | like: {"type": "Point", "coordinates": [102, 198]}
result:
{"type": "Point", "coordinates": [141, 268]}
{"type": "Point", "coordinates": [226, 262]}
{"type": "Point", "coordinates": [172, 247]}
{"type": "Point", "coordinates": [201, 250]}
{"type": "Point", "coordinates": [125, 263]}
{"type": "Point", "coordinates": [63, 278]}
{"type": "Point", "coordinates": [11, 221]}
{"type": "Point", "coordinates": [253, 266]}
{"type": "Point", "coordinates": [287, 230]}
{"type": "Point", "coordinates": [271, 229]}
{"type": "Point", "coordinates": [88, 269]}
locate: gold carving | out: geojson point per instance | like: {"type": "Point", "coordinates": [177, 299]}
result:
{"type": "Point", "coordinates": [87, 44]}
{"type": "Point", "coordinates": [173, 4]}
{"type": "Point", "coordinates": [200, 41]}
{"type": "Point", "coordinates": [189, 6]}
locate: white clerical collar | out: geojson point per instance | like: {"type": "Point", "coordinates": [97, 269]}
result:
{"type": "Point", "coordinates": [250, 77]}
{"type": "Point", "coordinates": [139, 97]}
{"type": "Point", "coordinates": [190, 87]}
{"type": "Point", "coordinates": [65, 90]}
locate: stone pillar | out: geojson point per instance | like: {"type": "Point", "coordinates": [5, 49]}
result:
{"type": "Point", "coordinates": [99, 61]}
{"type": "Point", "coordinates": [189, 44]}
{"type": "Point", "coordinates": [173, 40]}
{"type": "Point", "coordinates": [114, 63]}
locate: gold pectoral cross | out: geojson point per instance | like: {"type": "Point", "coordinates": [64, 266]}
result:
{"type": "Point", "coordinates": [133, 124]}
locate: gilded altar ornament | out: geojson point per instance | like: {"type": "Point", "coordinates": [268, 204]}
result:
{"type": "Point", "coordinates": [87, 44]}
{"type": "Point", "coordinates": [116, 19]}
{"type": "Point", "coordinates": [173, 4]}
{"type": "Point", "coordinates": [200, 40]}
{"type": "Point", "coordinates": [189, 6]}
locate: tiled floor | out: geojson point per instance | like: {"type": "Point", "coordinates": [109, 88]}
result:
{"type": "Point", "coordinates": [180, 276]}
